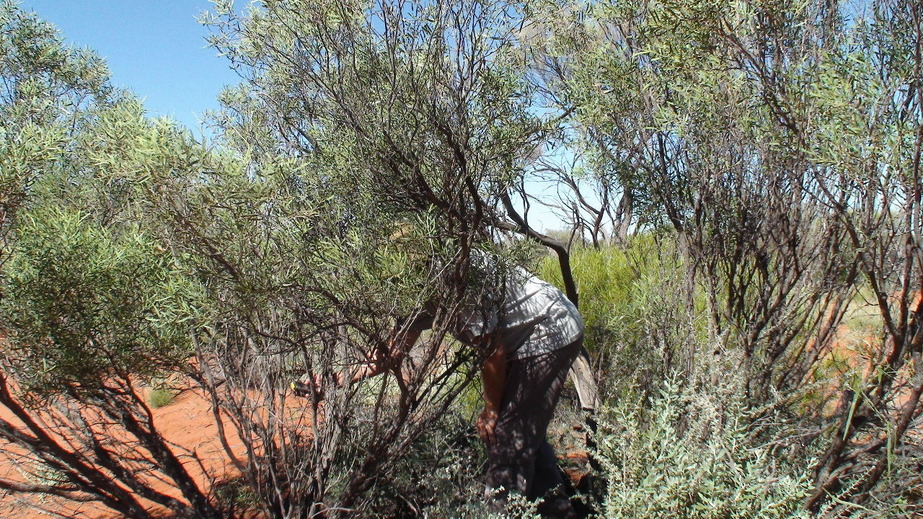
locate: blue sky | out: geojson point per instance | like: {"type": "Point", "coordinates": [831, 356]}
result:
{"type": "Point", "coordinates": [156, 49]}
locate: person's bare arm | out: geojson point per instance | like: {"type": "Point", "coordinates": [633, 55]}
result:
{"type": "Point", "coordinates": [385, 360]}
{"type": "Point", "coordinates": [493, 374]}
{"type": "Point", "coordinates": [393, 355]}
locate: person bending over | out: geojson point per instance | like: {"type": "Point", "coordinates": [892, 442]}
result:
{"type": "Point", "coordinates": [533, 334]}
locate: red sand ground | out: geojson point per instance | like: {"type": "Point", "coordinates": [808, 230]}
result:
{"type": "Point", "coordinates": [187, 421]}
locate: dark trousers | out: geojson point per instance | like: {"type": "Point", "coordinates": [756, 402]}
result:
{"type": "Point", "coordinates": [520, 459]}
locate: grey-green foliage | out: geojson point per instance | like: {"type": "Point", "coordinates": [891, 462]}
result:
{"type": "Point", "coordinates": [663, 106]}
{"type": "Point", "coordinates": [45, 88]}
{"type": "Point", "coordinates": [688, 454]}
{"type": "Point", "coordinates": [781, 141]}
{"type": "Point", "coordinates": [83, 303]}
{"type": "Point", "coordinates": [375, 139]}
{"type": "Point", "coordinates": [92, 302]}
{"type": "Point", "coordinates": [87, 290]}
{"type": "Point", "coordinates": [419, 104]}
{"type": "Point", "coordinates": [44, 80]}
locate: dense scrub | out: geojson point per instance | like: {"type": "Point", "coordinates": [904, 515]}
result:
{"type": "Point", "coordinates": [741, 187]}
{"type": "Point", "coordinates": [676, 438]}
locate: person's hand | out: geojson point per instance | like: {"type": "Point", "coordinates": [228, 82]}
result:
{"type": "Point", "coordinates": [486, 424]}
{"type": "Point", "coordinates": [303, 389]}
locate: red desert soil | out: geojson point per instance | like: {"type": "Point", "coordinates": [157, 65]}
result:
{"type": "Point", "coordinates": [187, 421]}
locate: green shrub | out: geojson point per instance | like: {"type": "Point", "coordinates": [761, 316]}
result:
{"type": "Point", "coordinates": [161, 397]}
{"type": "Point", "coordinates": [639, 308]}
{"type": "Point", "coordinates": [691, 456]}
{"type": "Point", "coordinates": [82, 301]}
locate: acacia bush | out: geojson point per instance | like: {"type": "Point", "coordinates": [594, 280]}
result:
{"type": "Point", "coordinates": [674, 437]}
{"type": "Point", "coordinates": [85, 303]}
{"type": "Point", "coordinates": [780, 143]}
{"type": "Point", "coordinates": [90, 316]}
{"type": "Point", "coordinates": [91, 305]}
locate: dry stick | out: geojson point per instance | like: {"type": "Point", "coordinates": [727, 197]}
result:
{"type": "Point", "coordinates": [66, 493]}
{"type": "Point", "coordinates": [881, 465]}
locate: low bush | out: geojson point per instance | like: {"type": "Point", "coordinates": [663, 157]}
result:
{"type": "Point", "coordinates": [442, 475]}
{"type": "Point", "coordinates": [161, 397]}
{"type": "Point", "coordinates": [690, 455]}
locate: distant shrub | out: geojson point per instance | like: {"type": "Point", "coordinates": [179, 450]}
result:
{"type": "Point", "coordinates": [639, 307]}
{"type": "Point", "coordinates": [161, 397]}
